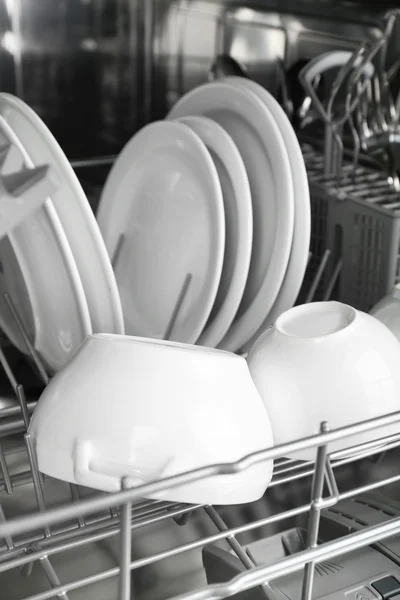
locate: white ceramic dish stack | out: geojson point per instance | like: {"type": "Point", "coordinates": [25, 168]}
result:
{"type": "Point", "coordinates": [207, 218]}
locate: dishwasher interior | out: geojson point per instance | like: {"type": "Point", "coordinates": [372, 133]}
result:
{"type": "Point", "coordinates": [96, 71]}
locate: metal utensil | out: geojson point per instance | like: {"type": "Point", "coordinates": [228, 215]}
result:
{"type": "Point", "coordinates": [347, 62]}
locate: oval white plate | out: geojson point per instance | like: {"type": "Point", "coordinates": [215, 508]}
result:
{"type": "Point", "coordinates": [51, 289]}
{"type": "Point", "coordinates": [164, 197]}
{"type": "Point", "coordinates": [238, 225]}
{"type": "Point", "coordinates": [260, 143]}
{"type": "Point", "coordinates": [302, 225]}
{"type": "Point", "coordinates": [75, 215]}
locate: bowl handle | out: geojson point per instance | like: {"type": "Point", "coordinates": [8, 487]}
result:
{"type": "Point", "coordinates": [93, 473]}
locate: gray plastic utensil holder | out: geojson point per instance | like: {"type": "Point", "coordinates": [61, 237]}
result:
{"type": "Point", "coordinates": [361, 227]}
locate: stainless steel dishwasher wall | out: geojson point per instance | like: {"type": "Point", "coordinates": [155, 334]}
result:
{"type": "Point", "coordinates": [77, 63]}
{"type": "Point", "coordinates": [188, 35]}
{"type": "Point", "coordinates": [96, 70]}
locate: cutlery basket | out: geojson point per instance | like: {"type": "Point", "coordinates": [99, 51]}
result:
{"type": "Point", "coordinates": [357, 217]}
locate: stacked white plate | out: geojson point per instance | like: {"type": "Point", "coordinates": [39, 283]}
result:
{"type": "Point", "coordinates": [206, 216]}
{"type": "Point", "coordinates": [54, 267]}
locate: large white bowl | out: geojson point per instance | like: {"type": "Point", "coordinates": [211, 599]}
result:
{"type": "Point", "coordinates": [326, 361]}
{"type": "Point", "coordinates": [147, 409]}
{"type": "Point", "coordinates": [388, 311]}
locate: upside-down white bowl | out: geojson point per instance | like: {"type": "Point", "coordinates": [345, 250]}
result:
{"type": "Point", "coordinates": [326, 361]}
{"type": "Point", "coordinates": [148, 409]}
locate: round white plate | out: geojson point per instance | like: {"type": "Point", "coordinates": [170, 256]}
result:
{"type": "Point", "coordinates": [42, 280]}
{"type": "Point", "coordinates": [75, 215]}
{"type": "Point", "coordinates": [302, 225]}
{"type": "Point", "coordinates": [264, 154]}
{"type": "Point", "coordinates": [238, 225]}
{"type": "Point", "coordinates": [164, 198]}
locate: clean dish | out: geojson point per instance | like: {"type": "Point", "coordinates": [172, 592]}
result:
{"type": "Point", "coordinates": [260, 143]}
{"type": "Point", "coordinates": [74, 213]}
{"type": "Point", "coordinates": [238, 225]}
{"type": "Point", "coordinates": [302, 222]}
{"type": "Point", "coordinates": [388, 311]}
{"type": "Point", "coordinates": [149, 409]}
{"type": "Point", "coordinates": [164, 200]}
{"type": "Point", "coordinates": [22, 193]}
{"type": "Point", "coordinates": [326, 361]}
{"type": "Point", "coordinates": [41, 278]}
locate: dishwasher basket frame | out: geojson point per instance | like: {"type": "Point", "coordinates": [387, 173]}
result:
{"type": "Point", "coordinates": [38, 536]}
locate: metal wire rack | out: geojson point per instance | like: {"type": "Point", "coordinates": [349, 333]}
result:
{"type": "Point", "coordinates": [46, 525]}
{"type": "Point", "coordinates": [47, 531]}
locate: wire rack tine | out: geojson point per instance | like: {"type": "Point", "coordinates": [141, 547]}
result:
{"type": "Point", "coordinates": [7, 369]}
{"type": "Point", "coordinates": [25, 415]}
{"type": "Point", "coordinates": [8, 538]}
{"type": "Point", "coordinates": [23, 405]}
{"type": "Point", "coordinates": [36, 480]}
{"type": "Point", "coordinates": [318, 276]}
{"type": "Point", "coordinates": [266, 587]}
{"type": "Point", "coordinates": [34, 355]}
{"type": "Point", "coordinates": [6, 474]}
{"type": "Point", "coordinates": [117, 252]}
{"type": "Point", "coordinates": [332, 283]}
{"type": "Point", "coordinates": [114, 512]}
{"type": "Point", "coordinates": [75, 498]}
{"type": "Point", "coordinates": [124, 587]}
{"type": "Point", "coordinates": [233, 542]}
{"type": "Point", "coordinates": [178, 305]}
{"type": "Point", "coordinates": [27, 568]}
{"type": "Point", "coordinates": [93, 161]}
{"type": "Point", "coordinates": [314, 515]}
{"type": "Point", "coordinates": [331, 482]}
{"type": "Point", "coordinates": [51, 575]}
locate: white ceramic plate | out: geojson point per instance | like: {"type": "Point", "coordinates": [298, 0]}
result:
{"type": "Point", "coordinates": [302, 225]}
{"type": "Point", "coordinates": [42, 280]}
{"type": "Point", "coordinates": [164, 197]}
{"type": "Point", "coordinates": [260, 143]}
{"type": "Point", "coordinates": [75, 215]}
{"type": "Point", "coordinates": [238, 225]}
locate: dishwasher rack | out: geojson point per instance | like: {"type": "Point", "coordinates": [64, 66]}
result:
{"type": "Point", "coordinates": [85, 518]}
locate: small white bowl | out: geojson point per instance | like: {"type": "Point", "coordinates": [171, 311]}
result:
{"type": "Point", "coordinates": [147, 409]}
{"type": "Point", "coordinates": [326, 361]}
{"type": "Point", "coordinates": [388, 311]}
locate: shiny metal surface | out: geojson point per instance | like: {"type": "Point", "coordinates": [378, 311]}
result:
{"type": "Point", "coordinates": [189, 34]}
{"type": "Point", "coordinates": [76, 63]}
{"type": "Point", "coordinates": [96, 70]}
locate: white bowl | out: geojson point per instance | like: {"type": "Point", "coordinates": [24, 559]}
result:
{"type": "Point", "coordinates": [326, 361]}
{"type": "Point", "coordinates": [388, 311]}
{"type": "Point", "coordinates": [147, 409]}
